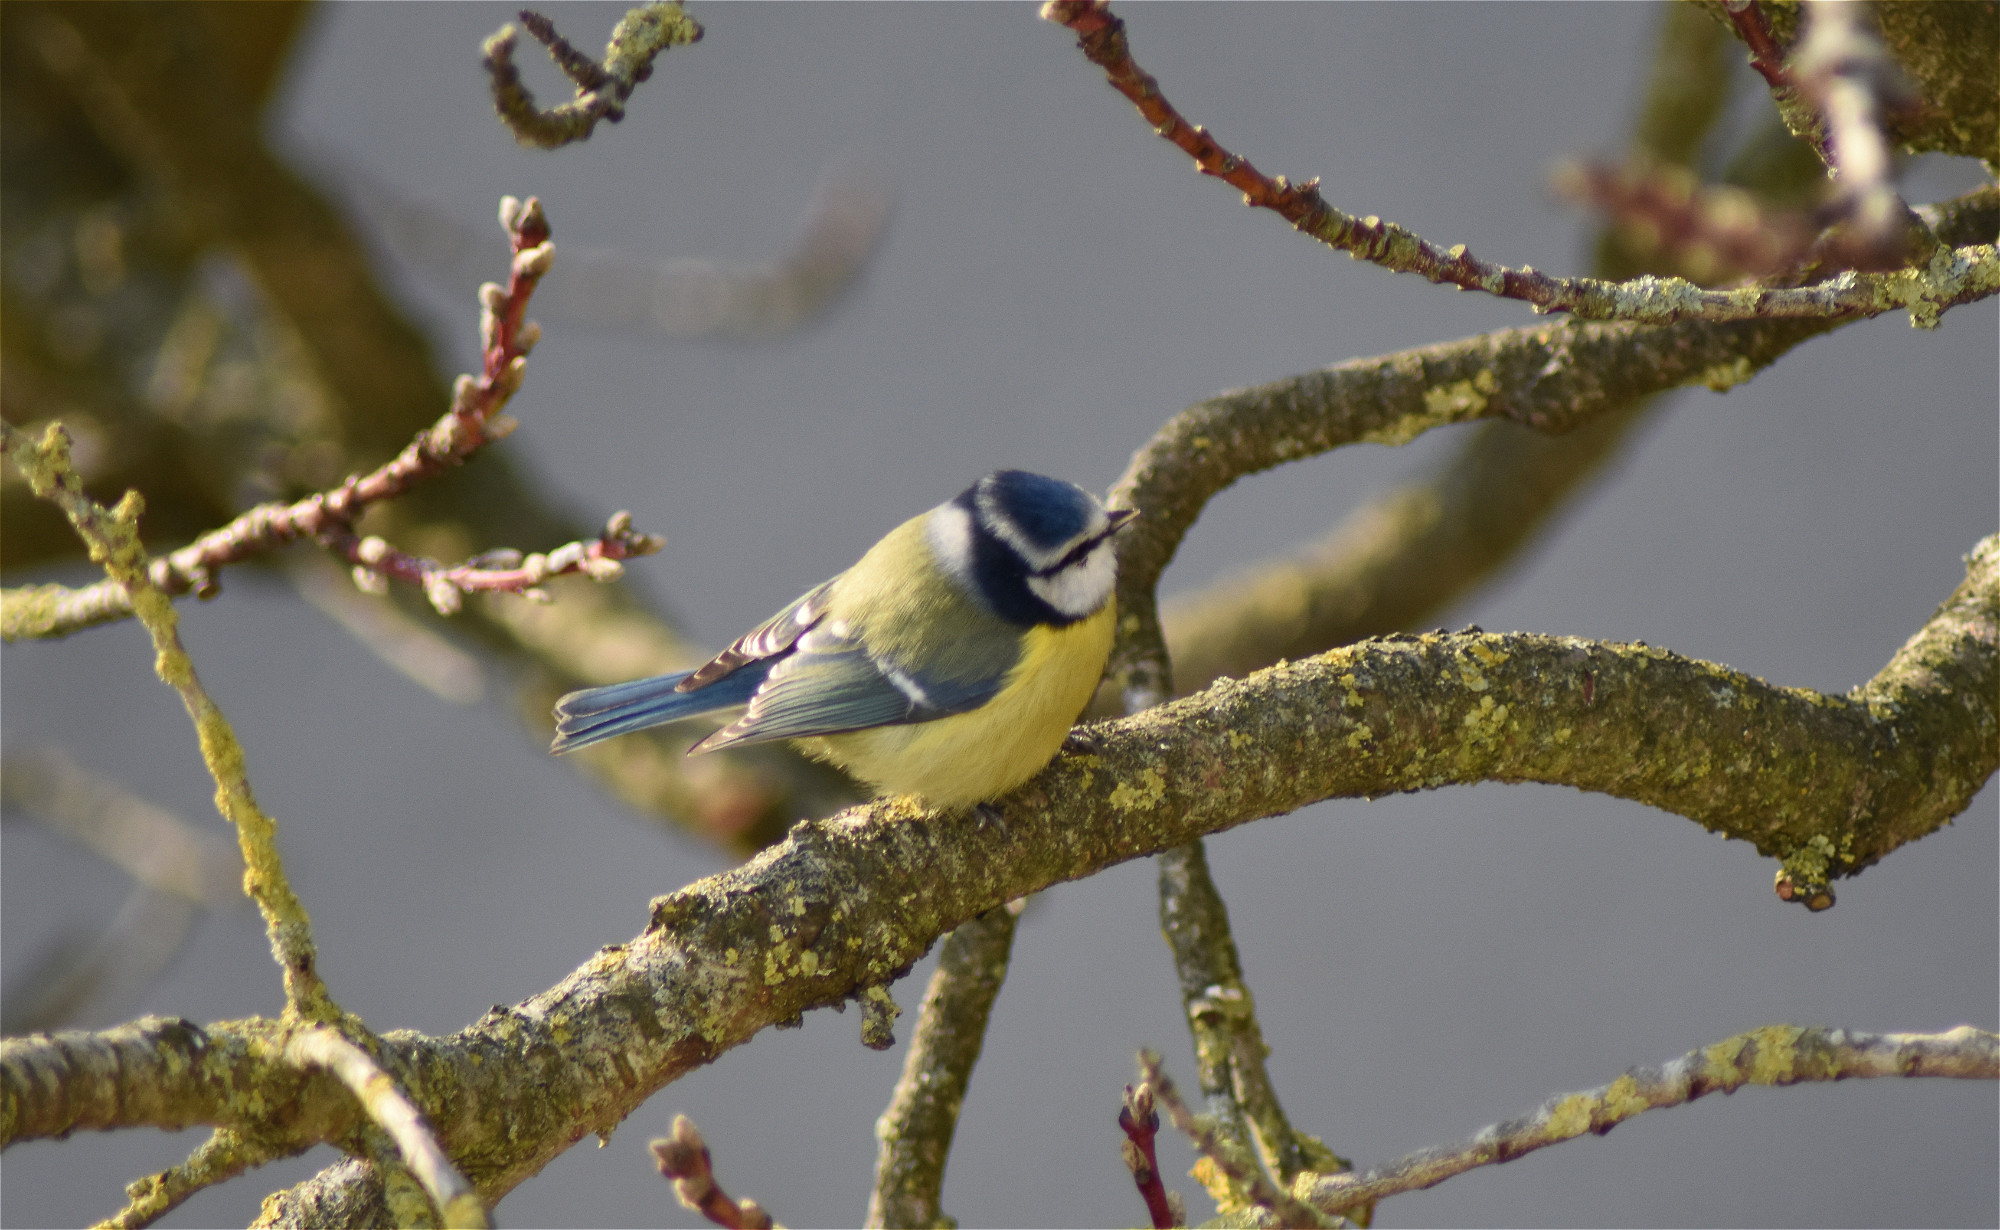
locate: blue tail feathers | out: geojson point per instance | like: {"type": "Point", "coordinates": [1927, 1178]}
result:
{"type": "Point", "coordinates": [596, 714]}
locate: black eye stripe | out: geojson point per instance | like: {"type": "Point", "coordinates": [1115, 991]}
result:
{"type": "Point", "coordinates": [1076, 553]}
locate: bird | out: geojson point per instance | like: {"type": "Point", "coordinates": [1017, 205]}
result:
{"type": "Point", "coordinates": [948, 663]}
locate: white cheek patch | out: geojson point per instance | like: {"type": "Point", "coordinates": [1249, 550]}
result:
{"type": "Point", "coordinates": [1082, 587]}
{"type": "Point", "coordinates": [950, 532]}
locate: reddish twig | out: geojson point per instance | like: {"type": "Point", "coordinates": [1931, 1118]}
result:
{"type": "Point", "coordinates": [1141, 1124]}
{"type": "Point", "coordinates": [1755, 30]}
{"type": "Point", "coordinates": [683, 1157]}
{"type": "Point", "coordinates": [474, 420]}
{"type": "Point", "coordinates": [1101, 36]}
{"type": "Point", "coordinates": [1243, 1174]}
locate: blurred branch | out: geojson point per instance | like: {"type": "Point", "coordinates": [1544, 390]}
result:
{"type": "Point", "coordinates": [681, 298]}
{"type": "Point", "coordinates": [1946, 48]}
{"type": "Point", "coordinates": [151, 844]}
{"type": "Point", "coordinates": [683, 1157]}
{"type": "Point", "coordinates": [845, 904]}
{"type": "Point", "coordinates": [84, 968]}
{"type": "Point", "coordinates": [132, 118]}
{"type": "Point", "coordinates": [179, 869]}
{"type": "Point", "coordinates": [385, 630]}
{"type": "Point", "coordinates": [1774, 1055]}
{"type": "Point", "coordinates": [916, 1129]}
{"type": "Point", "coordinates": [1843, 71]}
{"type": "Point", "coordinates": [114, 542]}
{"type": "Point", "coordinates": [1962, 276]}
{"type": "Point", "coordinates": [601, 88]}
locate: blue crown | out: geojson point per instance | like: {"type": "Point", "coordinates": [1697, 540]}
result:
{"type": "Point", "coordinates": [1048, 512]}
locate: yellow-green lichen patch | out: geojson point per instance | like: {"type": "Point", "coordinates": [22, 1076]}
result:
{"type": "Point", "coordinates": [1144, 794]}
{"type": "Point", "coordinates": [1571, 1116]}
{"type": "Point", "coordinates": [1622, 1099]}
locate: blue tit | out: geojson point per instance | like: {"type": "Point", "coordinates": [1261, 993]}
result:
{"type": "Point", "coordinates": [948, 663]}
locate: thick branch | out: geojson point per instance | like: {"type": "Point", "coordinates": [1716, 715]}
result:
{"type": "Point", "coordinates": [1950, 279]}
{"type": "Point", "coordinates": [1553, 378]}
{"type": "Point", "coordinates": [917, 1128]}
{"type": "Point", "coordinates": [1774, 1055]}
{"type": "Point", "coordinates": [847, 904]}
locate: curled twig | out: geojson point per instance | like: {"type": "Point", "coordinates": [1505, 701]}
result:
{"type": "Point", "coordinates": [683, 1157]}
{"type": "Point", "coordinates": [1774, 1055]}
{"type": "Point", "coordinates": [1955, 277]}
{"type": "Point", "coordinates": [601, 88]}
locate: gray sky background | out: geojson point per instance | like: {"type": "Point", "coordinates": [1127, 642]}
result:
{"type": "Point", "coordinates": [1055, 282]}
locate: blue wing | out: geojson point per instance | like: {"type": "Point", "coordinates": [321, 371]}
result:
{"type": "Point", "coordinates": [829, 684]}
{"type": "Point", "coordinates": [796, 677]}
{"type": "Point", "coordinates": [726, 681]}
{"type": "Point", "coordinates": [596, 714]}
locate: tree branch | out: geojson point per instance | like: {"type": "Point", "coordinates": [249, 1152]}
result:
{"type": "Point", "coordinates": [224, 1155]}
{"type": "Point", "coordinates": [846, 904]}
{"type": "Point", "coordinates": [455, 1201]}
{"type": "Point", "coordinates": [1234, 1179]}
{"type": "Point", "coordinates": [1228, 1042]}
{"type": "Point", "coordinates": [1553, 378]}
{"type": "Point", "coordinates": [113, 538]}
{"type": "Point", "coordinates": [1949, 279]}
{"type": "Point", "coordinates": [1774, 1055]}
{"type": "Point", "coordinates": [917, 1128]}
{"type": "Point", "coordinates": [474, 420]}
{"type": "Point", "coordinates": [1406, 555]}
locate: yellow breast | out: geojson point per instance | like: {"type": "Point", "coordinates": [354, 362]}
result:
{"type": "Point", "coordinates": [982, 754]}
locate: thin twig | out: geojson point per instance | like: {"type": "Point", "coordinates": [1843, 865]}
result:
{"type": "Point", "coordinates": [457, 1203]}
{"type": "Point", "coordinates": [601, 89]}
{"type": "Point", "coordinates": [1711, 232]}
{"type": "Point", "coordinates": [474, 420]}
{"type": "Point", "coordinates": [1953, 278]}
{"type": "Point", "coordinates": [683, 1157]}
{"type": "Point", "coordinates": [1141, 1124]}
{"type": "Point", "coordinates": [1228, 1041]}
{"type": "Point", "coordinates": [224, 1155]}
{"type": "Point", "coordinates": [1774, 1055]}
{"type": "Point", "coordinates": [113, 538]}
{"type": "Point", "coordinates": [917, 1128]}
{"type": "Point", "coordinates": [1243, 1179]}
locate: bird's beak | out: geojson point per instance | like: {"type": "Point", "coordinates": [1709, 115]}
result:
{"type": "Point", "coordinates": [1119, 517]}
